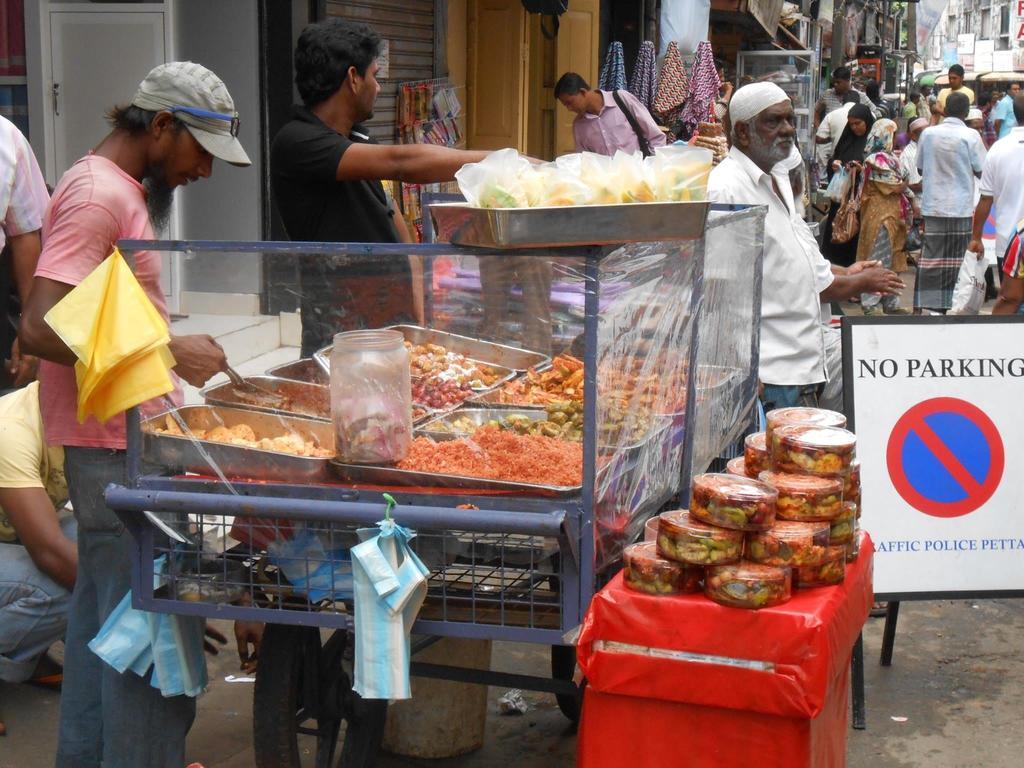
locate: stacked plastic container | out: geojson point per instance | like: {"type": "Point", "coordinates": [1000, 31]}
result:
{"type": "Point", "coordinates": [785, 515]}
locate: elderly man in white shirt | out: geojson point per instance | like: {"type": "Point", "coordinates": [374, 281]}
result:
{"type": "Point", "coordinates": [797, 278]}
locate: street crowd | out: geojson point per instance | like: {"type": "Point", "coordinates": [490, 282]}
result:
{"type": "Point", "coordinates": [921, 195]}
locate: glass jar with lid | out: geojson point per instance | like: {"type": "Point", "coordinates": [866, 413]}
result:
{"type": "Point", "coordinates": [371, 397]}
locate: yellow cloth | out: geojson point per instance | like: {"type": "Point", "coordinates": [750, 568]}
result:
{"type": "Point", "coordinates": [25, 460]}
{"type": "Point", "coordinates": [119, 338]}
{"type": "Point", "coordinates": [944, 93]}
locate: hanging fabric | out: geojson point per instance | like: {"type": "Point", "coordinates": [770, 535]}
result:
{"type": "Point", "coordinates": [673, 87]}
{"type": "Point", "coordinates": [613, 73]}
{"type": "Point", "coordinates": [643, 84]}
{"type": "Point", "coordinates": [704, 85]}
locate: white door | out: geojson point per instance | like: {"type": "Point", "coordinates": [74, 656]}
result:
{"type": "Point", "coordinates": [97, 60]}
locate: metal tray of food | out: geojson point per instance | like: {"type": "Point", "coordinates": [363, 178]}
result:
{"type": "Point", "coordinates": [179, 453]}
{"type": "Point", "coordinates": [463, 224]}
{"type": "Point", "coordinates": [486, 352]}
{"type": "Point", "coordinates": [383, 475]}
{"type": "Point", "coordinates": [310, 401]}
{"type": "Point", "coordinates": [306, 369]}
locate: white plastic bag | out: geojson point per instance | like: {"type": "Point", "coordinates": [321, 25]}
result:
{"type": "Point", "coordinates": [969, 294]}
{"type": "Point", "coordinates": [686, 22]}
{"type": "Point", "coordinates": [837, 185]}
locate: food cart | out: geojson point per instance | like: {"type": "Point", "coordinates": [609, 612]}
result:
{"type": "Point", "coordinates": [649, 371]}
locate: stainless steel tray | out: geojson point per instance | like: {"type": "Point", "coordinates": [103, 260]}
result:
{"type": "Point", "coordinates": [462, 224]}
{"type": "Point", "coordinates": [180, 453]}
{"type": "Point", "coordinates": [306, 370]}
{"type": "Point", "coordinates": [379, 475]}
{"type": "Point", "coordinates": [477, 350]}
{"type": "Point", "coordinates": [491, 399]}
{"type": "Point", "coordinates": [308, 401]}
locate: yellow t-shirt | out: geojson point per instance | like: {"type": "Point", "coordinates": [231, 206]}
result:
{"type": "Point", "coordinates": [25, 459]}
{"type": "Point", "coordinates": [946, 91]}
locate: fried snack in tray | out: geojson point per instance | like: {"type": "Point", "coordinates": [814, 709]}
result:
{"type": "Point", "coordinates": [748, 585]}
{"type": "Point", "coordinates": [686, 540]}
{"type": "Point", "coordinates": [562, 381]}
{"type": "Point", "coordinates": [788, 544]}
{"type": "Point", "coordinates": [843, 528]}
{"type": "Point", "coordinates": [832, 570]}
{"type": "Point", "coordinates": [729, 501]}
{"type": "Point", "coordinates": [755, 451]}
{"type": "Point", "coordinates": [435, 360]}
{"type": "Point", "coordinates": [645, 571]}
{"type": "Point", "coordinates": [244, 436]}
{"type": "Point", "coordinates": [805, 498]}
{"type": "Point", "coordinates": [500, 455]}
{"type": "Point", "coordinates": [813, 450]}
{"type": "Point", "coordinates": [439, 393]}
{"type": "Point", "coordinates": [799, 414]}
{"type": "Point", "coordinates": [737, 466]}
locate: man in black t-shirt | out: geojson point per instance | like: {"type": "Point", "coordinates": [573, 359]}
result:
{"type": "Point", "coordinates": [326, 177]}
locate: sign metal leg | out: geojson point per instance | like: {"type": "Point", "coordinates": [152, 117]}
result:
{"type": "Point", "coordinates": [892, 613]}
{"type": "Point", "coordinates": [857, 673]}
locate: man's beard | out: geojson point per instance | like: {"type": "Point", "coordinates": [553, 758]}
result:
{"type": "Point", "coordinates": [768, 153]}
{"type": "Point", "coordinates": [159, 196]}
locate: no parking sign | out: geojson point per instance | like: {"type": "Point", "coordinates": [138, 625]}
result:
{"type": "Point", "coordinates": [936, 403]}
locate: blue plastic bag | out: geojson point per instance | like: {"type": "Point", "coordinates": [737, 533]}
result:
{"type": "Point", "coordinates": [314, 571]}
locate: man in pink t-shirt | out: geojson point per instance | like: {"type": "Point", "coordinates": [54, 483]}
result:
{"type": "Point", "coordinates": [180, 119]}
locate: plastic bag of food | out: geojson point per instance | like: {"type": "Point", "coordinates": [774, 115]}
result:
{"type": "Point", "coordinates": [596, 172]}
{"type": "Point", "coordinates": [496, 181]}
{"type": "Point", "coordinates": [632, 178]}
{"type": "Point", "coordinates": [680, 172]}
{"type": "Point", "coordinates": [557, 183]}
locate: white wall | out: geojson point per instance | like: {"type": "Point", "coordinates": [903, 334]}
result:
{"type": "Point", "coordinates": [224, 36]}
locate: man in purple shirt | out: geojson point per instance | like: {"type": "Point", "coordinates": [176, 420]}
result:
{"type": "Point", "coordinates": [602, 124]}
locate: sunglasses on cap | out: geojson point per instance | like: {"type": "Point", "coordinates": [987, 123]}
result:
{"type": "Point", "coordinates": [197, 112]}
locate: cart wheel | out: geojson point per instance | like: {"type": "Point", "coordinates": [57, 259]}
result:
{"type": "Point", "coordinates": [301, 697]}
{"type": "Point", "coordinates": [563, 664]}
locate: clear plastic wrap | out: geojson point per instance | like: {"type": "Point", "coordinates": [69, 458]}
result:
{"type": "Point", "coordinates": [851, 485]}
{"type": "Point", "coordinates": [651, 529]}
{"type": "Point", "coordinates": [633, 175]}
{"type": "Point", "coordinates": [685, 540]}
{"type": "Point", "coordinates": [644, 570]}
{"type": "Point", "coordinates": [728, 501]}
{"type": "Point", "coordinates": [748, 585]}
{"type": "Point", "coordinates": [497, 181]}
{"type": "Point", "coordinates": [803, 415]}
{"type": "Point", "coordinates": [831, 570]}
{"type": "Point", "coordinates": [806, 498]}
{"type": "Point", "coordinates": [680, 172]}
{"type": "Point", "coordinates": [813, 450]}
{"type": "Point", "coordinates": [789, 544]}
{"type": "Point", "coordinates": [737, 466]}
{"type": "Point", "coordinates": [843, 528]}
{"type": "Point", "coordinates": [755, 451]}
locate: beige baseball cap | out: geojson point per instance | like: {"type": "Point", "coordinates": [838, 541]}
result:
{"type": "Point", "coordinates": [201, 101]}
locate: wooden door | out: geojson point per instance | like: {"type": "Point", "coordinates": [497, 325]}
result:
{"type": "Point", "coordinates": [576, 51]}
{"type": "Point", "coordinates": [496, 87]}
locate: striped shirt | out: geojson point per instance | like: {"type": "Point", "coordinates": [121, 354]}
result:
{"type": "Point", "coordinates": [23, 195]}
{"type": "Point", "coordinates": [830, 101]}
{"type": "Point", "coordinates": [1013, 261]}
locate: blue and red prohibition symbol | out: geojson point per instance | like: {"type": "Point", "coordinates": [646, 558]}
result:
{"type": "Point", "coordinates": [945, 457]}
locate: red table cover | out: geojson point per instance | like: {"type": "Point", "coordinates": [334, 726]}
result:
{"type": "Point", "coordinates": [685, 681]}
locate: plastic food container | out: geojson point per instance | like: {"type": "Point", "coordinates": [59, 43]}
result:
{"type": "Point", "coordinates": [819, 417]}
{"type": "Point", "coordinates": [728, 501]}
{"type": "Point", "coordinates": [843, 528]}
{"type": "Point", "coordinates": [755, 451]}
{"type": "Point", "coordinates": [853, 548]}
{"type": "Point", "coordinates": [737, 466]}
{"type": "Point", "coordinates": [748, 585]}
{"type": "Point", "coordinates": [371, 397]}
{"type": "Point", "coordinates": [651, 529]}
{"type": "Point", "coordinates": [851, 485]}
{"type": "Point", "coordinates": [813, 450]}
{"type": "Point", "coordinates": [805, 497]}
{"type": "Point", "coordinates": [687, 540]}
{"type": "Point", "coordinates": [830, 571]}
{"type": "Point", "coordinates": [788, 543]}
{"type": "Point", "coordinates": [646, 572]}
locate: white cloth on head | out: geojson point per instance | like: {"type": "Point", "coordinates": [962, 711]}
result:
{"type": "Point", "coordinates": [975, 114]}
{"type": "Point", "coordinates": [753, 99]}
{"type": "Point", "coordinates": [921, 122]}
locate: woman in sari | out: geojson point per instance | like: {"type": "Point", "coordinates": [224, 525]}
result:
{"type": "Point", "coordinates": [849, 154]}
{"type": "Point", "coordinates": [883, 228]}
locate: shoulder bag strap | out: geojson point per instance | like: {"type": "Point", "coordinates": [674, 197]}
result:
{"type": "Point", "coordinates": [645, 145]}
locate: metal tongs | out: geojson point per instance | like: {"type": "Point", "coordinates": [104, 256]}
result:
{"type": "Point", "coordinates": [252, 392]}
